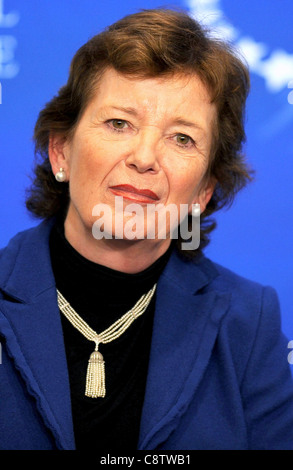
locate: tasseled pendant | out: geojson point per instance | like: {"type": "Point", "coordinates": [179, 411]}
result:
{"type": "Point", "coordinates": [95, 378]}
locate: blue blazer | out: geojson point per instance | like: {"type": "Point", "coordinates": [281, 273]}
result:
{"type": "Point", "coordinates": [218, 374]}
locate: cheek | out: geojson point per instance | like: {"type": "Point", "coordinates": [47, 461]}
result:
{"type": "Point", "coordinates": [185, 180]}
{"type": "Point", "coordinates": [87, 163]}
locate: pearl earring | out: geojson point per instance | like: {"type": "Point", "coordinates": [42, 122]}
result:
{"type": "Point", "coordinates": [60, 176]}
{"type": "Point", "coordinates": [195, 211]}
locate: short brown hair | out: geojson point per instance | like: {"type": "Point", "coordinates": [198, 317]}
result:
{"type": "Point", "coordinates": [147, 44]}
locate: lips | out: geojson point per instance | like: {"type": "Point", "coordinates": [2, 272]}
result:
{"type": "Point", "coordinates": [130, 192]}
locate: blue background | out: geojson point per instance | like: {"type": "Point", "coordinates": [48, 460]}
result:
{"type": "Point", "coordinates": [254, 237]}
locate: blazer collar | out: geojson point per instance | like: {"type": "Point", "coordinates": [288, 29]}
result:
{"type": "Point", "coordinates": [30, 322]}
{"type": "Point", "coordinates": [28, 253]}
{"type": "Point", "coordinates": [187, 319]}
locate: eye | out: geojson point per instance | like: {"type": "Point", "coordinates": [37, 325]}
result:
{"type": "Point", "coordinates": [184, 140]}
{"type": "Point", "coordinates": [118, 124]}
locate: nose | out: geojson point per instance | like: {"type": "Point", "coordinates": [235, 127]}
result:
{"type": "Point", "coordinates": [144, 152]}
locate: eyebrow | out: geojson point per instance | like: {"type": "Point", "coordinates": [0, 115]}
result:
{"type": "Point", "coordinates": [177, 121]}
{"type": "Point", "coordinates": [127, 110]}
{"type": "Point", "coordinates": [184, 122]}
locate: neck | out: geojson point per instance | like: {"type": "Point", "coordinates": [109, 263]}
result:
{"type": "Point", "coordinates": [128, 256]}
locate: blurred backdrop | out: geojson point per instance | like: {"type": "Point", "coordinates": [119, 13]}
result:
{"type": "Point", "coordinates": [37, 42]}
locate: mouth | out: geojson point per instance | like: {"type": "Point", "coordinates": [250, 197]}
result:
{"type": "Point", "coordinates": [133, 194]}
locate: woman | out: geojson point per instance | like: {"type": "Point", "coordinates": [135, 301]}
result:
{"type": "Point", "coordinates": [152, 114]}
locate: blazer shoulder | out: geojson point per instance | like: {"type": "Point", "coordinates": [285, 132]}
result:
{"type": "Point", "coordinates": [249, 300]}
{"type": "Point", "coordinates": [22, 273]}
{"type": "Point", "coordinates": [230, 281]}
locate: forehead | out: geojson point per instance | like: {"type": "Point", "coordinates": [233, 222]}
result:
{"type": "Point", "coordinates": [155, 98]}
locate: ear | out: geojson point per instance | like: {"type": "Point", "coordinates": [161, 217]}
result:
{"type": "Point", "coordinates": [205, 193]}
{"type": "Point", "coordinates": [58, 154]}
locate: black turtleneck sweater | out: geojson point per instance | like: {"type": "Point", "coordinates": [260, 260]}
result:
{"type": "Point", "coordinates": [101, 296]}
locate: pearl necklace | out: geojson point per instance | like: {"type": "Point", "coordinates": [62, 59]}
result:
{"type": "Point", "coordinates": [95, 379]}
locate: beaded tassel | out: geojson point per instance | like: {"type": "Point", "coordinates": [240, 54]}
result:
{"type": "Point", "coordinates": [95, 377]}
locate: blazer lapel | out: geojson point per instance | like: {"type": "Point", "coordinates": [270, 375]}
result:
{"type": "Point", "coordinates": [186, 323]}
{"type": "Point", "coordinates": [32, 327]}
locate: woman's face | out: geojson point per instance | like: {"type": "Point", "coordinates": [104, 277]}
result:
{"type": "Point", "coordinates": [147, 140]}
